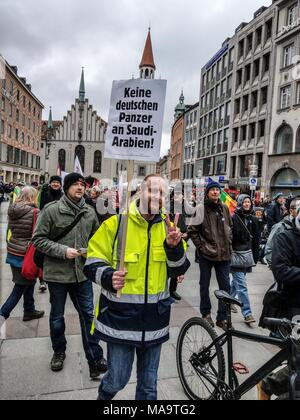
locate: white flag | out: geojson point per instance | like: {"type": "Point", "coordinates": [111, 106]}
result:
{"type": "Point", "coordinates": [77, 166]}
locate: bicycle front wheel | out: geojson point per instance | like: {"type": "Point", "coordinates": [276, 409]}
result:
{"type": "Point", "coordinates": [200, 363]}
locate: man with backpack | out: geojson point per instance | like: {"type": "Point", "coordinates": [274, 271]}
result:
{"type": "Point", "coordinates": [75, 223]}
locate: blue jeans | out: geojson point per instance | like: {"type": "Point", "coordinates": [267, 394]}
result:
{"type": "Point", "coordinates": [239, 288]}
{"type": "Point", "coordinates": [120, 359]}
{"type": "Point", "coordinates": [15, 297]}
{"type": "Point", "coordinates": [81, 295]}
{"type": "Point", "coordinates": [222, 269]}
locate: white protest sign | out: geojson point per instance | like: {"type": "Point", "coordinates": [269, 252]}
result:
{"type": "Point", "coordinates": [135, 120]}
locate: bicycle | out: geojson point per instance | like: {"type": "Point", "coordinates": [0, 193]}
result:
{"type": "Point", "coordinates": [202, 368]}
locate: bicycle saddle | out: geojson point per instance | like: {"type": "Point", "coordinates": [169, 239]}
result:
{"type": "Point", "coordinates": [226, 298]}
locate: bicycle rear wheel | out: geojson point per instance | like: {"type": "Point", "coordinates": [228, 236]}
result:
{"type": "Point", "coordinates": [201, 368]}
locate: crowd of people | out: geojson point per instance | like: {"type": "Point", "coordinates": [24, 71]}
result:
{"type": "Point", "coordinates": [79, 230]}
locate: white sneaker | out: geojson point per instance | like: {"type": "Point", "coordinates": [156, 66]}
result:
{"type": "Point", "coordinates": [2, 328]}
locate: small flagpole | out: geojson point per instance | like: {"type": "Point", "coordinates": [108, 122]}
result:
{"type": "Point", "coordinates": [130, 169]}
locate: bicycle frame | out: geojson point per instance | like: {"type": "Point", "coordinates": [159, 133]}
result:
{"type": "Point", "coordinates": [261, 373]}
{"type": "Point", "coordinates": [284, 355]}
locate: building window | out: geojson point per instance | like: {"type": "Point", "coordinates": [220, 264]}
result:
{"type": "Point", "coordinates": [142, 171]}
{"type": "Point", "coordinates": [80, 153]}
{"type": "Point", "coordinates": [269, 28]}
{"type": "Point", "coordinates": [262, 128]}
{"type": "Point", "coordinates": [17, 134]}
{"type": "Point", "coordinates": [285, 97]}
{"type": "Point", "coordinates": [298, 94]}
{"type": "Point", "coordinates": [17, 115]}
{"type": "Point", "coordinates": [3, 104]}
{"type": "Point", "coordinates": [292, 14]}
{"type": "Point", "coordinates": [288, 55]}
{"type": "Point", "coordinates": [208, 167]}
{"type": "Point", "coordinates": [258, 36]}
{"type": "Point", "coordinates": [266, 63]}
{"type": "Point", "coordinates": [233, 167]}
{"type": "Point", "coordinates": [220, 165]}
{"type": "Point", "coordinates": [98, 162]}
{"type": "Point", "coordinates": [283, 140]}
{"type": "Point", "coordinates": [264, 95]}
{"type": "Point", "coordinates": [2, 127]}
{"type": "Point", "coordinates": [62, 159]}
{"type": "Point", "coordinates": [298, 140]}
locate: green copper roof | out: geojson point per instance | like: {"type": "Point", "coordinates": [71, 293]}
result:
{"type": "Point", "coordinates": [82, 87]}
{"type": "Point", "coordinates": [50, 120]}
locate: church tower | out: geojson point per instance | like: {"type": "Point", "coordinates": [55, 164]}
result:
{"type": "Point", "coordinates": [147, 66]}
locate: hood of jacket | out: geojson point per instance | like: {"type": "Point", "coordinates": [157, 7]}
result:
{"type": "Point", "coordinates": [18, 210]}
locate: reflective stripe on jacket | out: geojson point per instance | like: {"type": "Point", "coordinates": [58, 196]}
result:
{"type": "Point", "coordinates": [142, 315]}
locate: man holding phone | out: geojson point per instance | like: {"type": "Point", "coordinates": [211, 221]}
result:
{"type": "Point", "coordinates": [63, 269]}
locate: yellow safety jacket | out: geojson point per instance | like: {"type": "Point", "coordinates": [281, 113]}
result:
{"type": "Point", "coordinates": [141, 316]}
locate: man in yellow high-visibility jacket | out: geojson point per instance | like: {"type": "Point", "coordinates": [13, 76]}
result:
{"type": "Point", "coordinates": [138, 322]}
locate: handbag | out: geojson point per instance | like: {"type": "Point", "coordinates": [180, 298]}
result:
{"type": "Point", "coordinates": [39, 256]}
{"type": "Point", "coordinates": [30, 271]}
{"type": "Point", "coordinates": [243, 259]}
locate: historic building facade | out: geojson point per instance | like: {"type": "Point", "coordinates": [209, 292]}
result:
{"type": "Point", "coordinates": [81, 133]}
{"type": "Point", "coordinates": [252, 103]}
{"type": "Point", "coordinates": [20, 128]}
{"type": "Point", "coordinates": [283, 172]}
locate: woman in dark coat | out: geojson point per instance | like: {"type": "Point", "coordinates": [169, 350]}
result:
{"type": "Point", "coordinates": [246, 237]}
{"type": "Point", "coordinates": [20, 222]}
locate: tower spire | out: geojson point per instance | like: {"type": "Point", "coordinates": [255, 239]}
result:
{"type": "Point", "coordinates": [50, 120]}
{"type": "Point", "coordinates": [147, 65]}
{"type": "Point", "coordinates": [82, 87]}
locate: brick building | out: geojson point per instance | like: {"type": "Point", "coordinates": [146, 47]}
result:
{"type": "Point", "coordinates": [20, 128]}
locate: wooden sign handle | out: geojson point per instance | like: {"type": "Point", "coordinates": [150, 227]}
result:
{"type": "Point", "coordinates": [130, 169]}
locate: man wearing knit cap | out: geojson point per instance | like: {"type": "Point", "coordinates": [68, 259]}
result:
{"type": "Point", "coordinates": [63, 269]}
{"type": "Point", "coordinates": [213, 240]}
{"type": "Point", "coordinates": [51, 192]}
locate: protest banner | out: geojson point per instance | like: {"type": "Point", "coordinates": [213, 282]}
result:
{"type": "Point", "coordinates": [135, 120]}
{"type": "Point", "coordinates": [135, 130]}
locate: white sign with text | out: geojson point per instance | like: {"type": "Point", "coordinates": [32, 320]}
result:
{"type": "Point", "coordinates": [135, 120]}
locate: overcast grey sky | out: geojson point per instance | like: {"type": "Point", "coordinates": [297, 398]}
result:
{"type": "Point", "coordinates": [50, 41]}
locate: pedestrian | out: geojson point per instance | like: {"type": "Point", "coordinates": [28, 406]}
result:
{"type": "Point", "coordinates": [21, 215]}
{"type": "Point", "coordinates": [92, 199]}
{"type": "Point", "coordinates": [138, 321]}
{"type": "Point", "coordinates": [276, 211]}
{"type": "Point", "coordinates": [51, 192]}
{"type": "Point", "coordinates": [63, 269]}
{"type": "Point", "coordinates": [285, 224]}
{"type": "Point", "coordinates": [286, 270]}
{"type": "Point", "coordinates": [246, 236]}
{"type": "Point", "coordinates": [213, 240]}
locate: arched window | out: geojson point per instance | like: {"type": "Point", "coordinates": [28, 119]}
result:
{"type": "Point", "coordinates": [97, 162]}
{"type": "Point", "coordinates": [80, 153]}
{"type": "Point", "coordinates": [147, 74]}
{"type": "Point", "coordinates": [298, 141]}
{"type": "Point", "coordinates": [283, 140]}
{"type": "Point", "coordinates": [62, 159]}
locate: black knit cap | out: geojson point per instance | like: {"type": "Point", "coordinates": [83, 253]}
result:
{"type": "Point", "coordinates": [72, 179]}
{"type": "Point", "coordinates": [55, 178]}
{"type": "Point", "coordinates": [212, 185]}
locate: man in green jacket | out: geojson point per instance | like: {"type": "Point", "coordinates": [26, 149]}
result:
{"type": "Point", "coordinates": [63, 269]}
